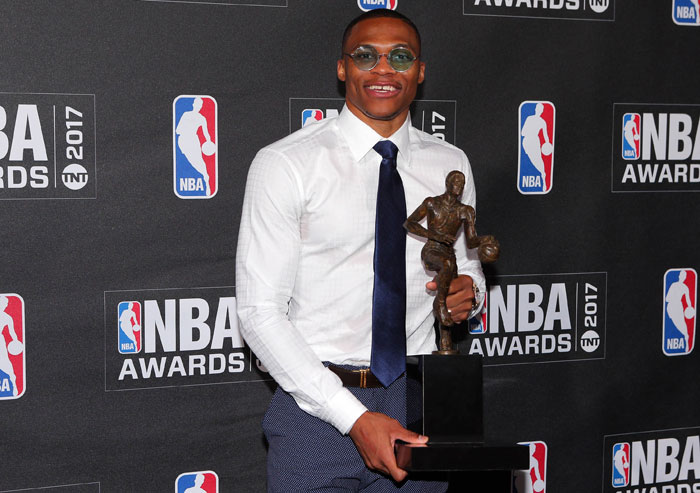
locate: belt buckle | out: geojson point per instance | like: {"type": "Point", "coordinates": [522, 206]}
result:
{"type": "Point", "coordinates": [363, 377]}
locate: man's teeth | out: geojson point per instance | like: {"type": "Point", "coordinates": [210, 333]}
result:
{"type": "Point", "coordinates": [382, 88]}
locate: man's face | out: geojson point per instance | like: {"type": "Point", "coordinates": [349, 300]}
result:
{"type": "Point", "coordinates": [381, 93]}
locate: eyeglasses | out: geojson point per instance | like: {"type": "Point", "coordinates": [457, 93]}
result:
{"type": "Point", "coordinates": [367, 57]}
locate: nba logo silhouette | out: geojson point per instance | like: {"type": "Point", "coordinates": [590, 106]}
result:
{"type": "Point", "coordinates": [197, 482]}
{"type": "Point", "coordinates": [631, 127]}
{"type": "Point", "coordinates": [195, 148]}
{"type": "Point", "coordinates": [478, 324]}
{"type": "Point", "coordinates": [129, 326]}
{"type": "Point", "coordinates": [686, 12]}
{"type": "Point", "coordinates": [621, 465]}
{"type": "Point", "coordinates": [535, 147]}
{"type": "Point", "coordinates": [533, 480]}
{"type": "Point", "coordinates": [311, 116]}
{"type": "Point", "coordinates": [377, 4]}
{"type": "Point", "coordinates": [680, 291]}
{"type": "Point", "coordinates": [12, 354]}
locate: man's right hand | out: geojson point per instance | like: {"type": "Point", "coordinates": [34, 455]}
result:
{"type": "Point", "coordinates": [374, 435]}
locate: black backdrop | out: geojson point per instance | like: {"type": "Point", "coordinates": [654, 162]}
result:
{"type": "Point", "coordinates": [73, 256]}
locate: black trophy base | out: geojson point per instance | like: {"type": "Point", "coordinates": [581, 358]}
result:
{"type": "Point", "coordinates": [447, 392]}
{"type": "Point", "coordinates": [450, 403]}
{"type": "Point", "coordinates": [461, 457]}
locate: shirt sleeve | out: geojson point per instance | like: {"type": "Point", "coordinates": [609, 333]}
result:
{"type": "Point", "coordinates": [269, 244]}
{"type": "Point", "coordinates": [468, 259]}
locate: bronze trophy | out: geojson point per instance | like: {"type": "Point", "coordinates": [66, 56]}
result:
{"type": "Point", "coordinates": [445, 215]}
{"type": "Point", "coordinates": [451, 386]}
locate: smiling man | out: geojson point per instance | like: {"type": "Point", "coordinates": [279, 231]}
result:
{"type": "Point", "coordinates": [331, 293]}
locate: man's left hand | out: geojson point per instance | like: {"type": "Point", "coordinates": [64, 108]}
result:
{"type": "Point", "coordinates": [460, 298]}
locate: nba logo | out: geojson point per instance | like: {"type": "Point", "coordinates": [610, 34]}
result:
{"type": "Point", "coordinates": [631, 127]}
{"type": "Point", "coordinates": [129, 326]}
{"type": "Point", "coordinates": [686, 12]}
{"type": "Point", "coordinates": [477, 325]}
{"type": "Point", "coordinates": [12, 360]}
{"type": "Point", "coordinates": [680, 290]}
{"type": "Point", "coordinates": [533, 480]}
{"type": "Point", "coordinates": [311, 116]}
{"type": "Point", "coordinates": [535, 147]}
{"type": "Point", "coordinates": [621, 465]}
{"type": "Point", "coordinates": [195, 156]}
{"type": "Point", "coordinates": [197, 482]}
{"type": "Point", "coordinates": [377, 4]}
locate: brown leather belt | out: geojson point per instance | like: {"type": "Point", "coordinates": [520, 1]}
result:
{"type": "Point", "coordinates": [364, 379]}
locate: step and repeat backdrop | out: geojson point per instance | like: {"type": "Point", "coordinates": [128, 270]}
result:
{"type": "Point", "coordinates": [126, 131]}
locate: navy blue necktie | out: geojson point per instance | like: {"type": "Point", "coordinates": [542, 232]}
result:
{"type": "Point", "coordinates": [389, 300]}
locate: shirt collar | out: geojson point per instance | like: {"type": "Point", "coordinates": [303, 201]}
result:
{"type": "Point", "coordinates": [361, 137]}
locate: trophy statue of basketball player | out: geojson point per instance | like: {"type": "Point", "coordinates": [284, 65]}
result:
{"type": "Point", "coordinates": [445, 215]}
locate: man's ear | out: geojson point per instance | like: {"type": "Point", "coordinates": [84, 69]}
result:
{"type": "Point", "coordinates": [340, 69]}
{"type": "Point", "coordinates": [421, 72]}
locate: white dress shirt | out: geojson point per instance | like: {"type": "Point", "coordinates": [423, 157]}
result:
{"type": "Point", "coordinates": [304, 264]}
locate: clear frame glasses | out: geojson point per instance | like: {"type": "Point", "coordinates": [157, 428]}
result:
{"type": "Point", "coordinates": [367, 57]}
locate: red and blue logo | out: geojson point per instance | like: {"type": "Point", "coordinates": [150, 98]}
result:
{"type": "Point", "coordinates": [479, 324]}
{"type": "Point", "coordinates": [680, 291]}
{"type": "Point", "coordinates": [195, 148]}
{"type": "Point", "coordinates": [311, 116]}
{"type": "Point", "coordinates": [534, 479]}
{"type": "Point", "coordinates": [129, 326]}
{"type": "Point", "coordinates": [631, 129]}
{"type": "Point", "coordinates": [12, 354]}
{"type": "Point", "coordinates": [621, 465]}
{"type": "Point", "coordinates": [536, 120]}
{"type": "Point", "coordinates": [197, 482]}
{"type": "Point", "coordinates": [686, 12]}
{"type": "Point", "coordinates": [314, 115]}
{"type": "Point", "coordinates": [377, 4]}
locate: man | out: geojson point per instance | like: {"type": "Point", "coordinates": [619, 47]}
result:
{"type": "Point", "coordinates": [306, 284]}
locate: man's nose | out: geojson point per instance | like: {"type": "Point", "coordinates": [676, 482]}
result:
{"type": "Point", "coordinates": [383, 66]}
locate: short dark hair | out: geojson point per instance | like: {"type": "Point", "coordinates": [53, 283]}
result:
{"type": "Point", "coordinates": [375, 14]}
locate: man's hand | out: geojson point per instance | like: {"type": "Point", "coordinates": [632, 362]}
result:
{"type": "Point", "coordinates": [460, 298]}
{"type": "Point", "coordinates": [374, 435]}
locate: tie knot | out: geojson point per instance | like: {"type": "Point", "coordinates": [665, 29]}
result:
{"type": "Point", "coordinates": [387, 149]}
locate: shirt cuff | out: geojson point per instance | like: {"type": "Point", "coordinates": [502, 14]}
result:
{"type": "Point", "coordinates": [479, 298]}
{"type": "Point", "coordinates": [343, 410]}
{"type": "Point", "coordinates": [480, 285]}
